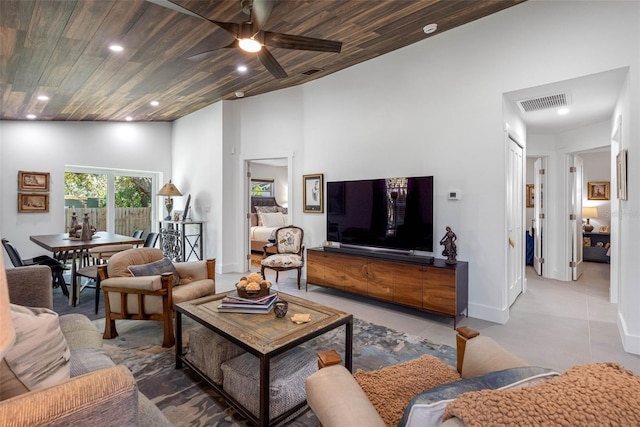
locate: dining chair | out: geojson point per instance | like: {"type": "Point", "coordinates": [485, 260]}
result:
{"type": "Point", "coordinates": [57, 268]}
{"type": "Point", "coordinates": [289, 252]}
{"type": "Point", "coordinates": [137, 233]}
{"type": "Point", "coordinates": [150, 241]}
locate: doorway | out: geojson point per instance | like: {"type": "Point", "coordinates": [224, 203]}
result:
{"type": "Point", "coordinates": [267, 180]}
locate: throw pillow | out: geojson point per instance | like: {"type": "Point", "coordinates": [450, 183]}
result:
{"type": "Point", "coordinates": [594, 394]}
{"type": "Point", "coordinates": [156, 268]}
{"type": "Point", "coordinates": [390, 389]}
{"type": "Point", "coordinates": [39, 357]}
{"type": "Point", "coordinates": [426, 409]}
{"type": "Point", "coordinates": [274, 219]}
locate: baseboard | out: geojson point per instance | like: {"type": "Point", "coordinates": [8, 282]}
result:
{"type": "Point", "coordinates": [490, 314]}
{"type": "Point", "coordinates": [631, 343]}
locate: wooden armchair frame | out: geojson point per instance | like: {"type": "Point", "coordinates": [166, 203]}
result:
{"type": "Point", "coordinates": [166, 292]}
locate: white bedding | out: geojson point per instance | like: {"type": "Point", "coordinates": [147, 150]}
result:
{"type": "Point", "coordinates": [262, 234]}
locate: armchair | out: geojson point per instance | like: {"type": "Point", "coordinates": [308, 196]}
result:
{"type": "Point", "coordinates": [289, 251]}
{"type": "Point", "coordinates": [151, 297]}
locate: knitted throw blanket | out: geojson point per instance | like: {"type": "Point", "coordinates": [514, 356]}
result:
{"type": "Point", "coordinates": [391, 388]}
{"type": "Point", "coordinates": [596, 394]}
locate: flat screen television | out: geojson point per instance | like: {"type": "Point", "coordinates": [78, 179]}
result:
{"type": "Point", "coordinates": [388, 213]}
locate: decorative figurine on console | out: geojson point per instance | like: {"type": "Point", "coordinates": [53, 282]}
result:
{"type": "Point", "coordinates": [450, 249]}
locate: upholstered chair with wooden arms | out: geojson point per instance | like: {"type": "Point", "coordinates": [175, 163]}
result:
{"type": "Point", "coordinates": [289, 251]}
{"type": "Point", "coordinates": [141, 284]}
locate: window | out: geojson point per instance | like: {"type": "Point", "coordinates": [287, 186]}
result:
{"type": "Point", "coordinates": [262, 187]}
{"type": "Point", "coordinates": [115, 201]}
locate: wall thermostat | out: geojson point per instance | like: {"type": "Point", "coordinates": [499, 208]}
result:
{"type": "Point", "coordinates": [454, 195]}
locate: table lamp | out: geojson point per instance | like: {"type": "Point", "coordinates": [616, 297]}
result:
{"type": "Point", "coordinates": [169, 190]}
{"type": "Point", "coordinates": [7, 334]}
{"type": "Point", "coordinates": [589, 213]}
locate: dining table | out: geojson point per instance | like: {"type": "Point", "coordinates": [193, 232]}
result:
{"type": "Point", "coordinates": [62, 242]}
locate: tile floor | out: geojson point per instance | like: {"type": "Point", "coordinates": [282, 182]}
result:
{"type": "Point", "coordinates": [554, 324]}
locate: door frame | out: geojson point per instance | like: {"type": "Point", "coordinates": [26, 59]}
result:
{"type": "Point", "coordinates": [245, 199]}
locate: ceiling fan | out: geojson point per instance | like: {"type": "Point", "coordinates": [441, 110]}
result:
{"type": "Point", "coordinates": [250, 37]}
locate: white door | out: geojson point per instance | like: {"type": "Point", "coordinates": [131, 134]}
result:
{"type": "Point", "coordinates": [515, 212]}
{"type": "Point", "coordinates": [575, 216]}
{"type": "Point", "coordinates": [539, 181]}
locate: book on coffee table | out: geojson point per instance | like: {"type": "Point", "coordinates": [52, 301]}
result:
{"type": "Point", "coordinates": [260, 306]}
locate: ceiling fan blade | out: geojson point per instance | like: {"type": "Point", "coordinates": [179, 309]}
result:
{"type": "Point", "coordinates": [204, 55]}
{"type": "Point", "coordinates": [230, 27]}
{"type": "Point", "coordinates": [176, 7]}
{"type": "Point", "coordinates": [261, 10]}
{"type": "Point", "coordinates": [271, 64]}
{"type": "Point", "coordinates": [288, 41]}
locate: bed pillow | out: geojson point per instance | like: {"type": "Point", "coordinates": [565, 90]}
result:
{"type": "Point", "coordinates": [156, 268]}
{"type": "Point", "coordinates": [427, 408]}
{"type": "Point", "coordinates": [275, 219]}
{"type": "Point", "coordinates": [265, 209]}
{"type": "Point", "coordinates": [39, 357]}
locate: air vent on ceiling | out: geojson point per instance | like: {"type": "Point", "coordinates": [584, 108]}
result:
{"type": "Point", "coordinates": [542, 103]}
{"type": "Point", "coordinates": [312, 71]}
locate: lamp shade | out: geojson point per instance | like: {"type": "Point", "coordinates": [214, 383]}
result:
{"type": "Point", "coordinates": [169, 190]}
{"type": "Point", "coordinates": [7, 334]}
{"type": "Point", "coordinates": [591, 212]}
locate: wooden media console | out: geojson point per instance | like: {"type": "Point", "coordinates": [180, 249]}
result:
{"type": "Point", "coordinates": [409, 280]}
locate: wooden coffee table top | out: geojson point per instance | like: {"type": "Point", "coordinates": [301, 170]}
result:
{"type": "Point", "coordinates": [265, 333]}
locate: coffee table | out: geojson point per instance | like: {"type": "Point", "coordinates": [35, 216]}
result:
{"type": "Point", "coordinates": [263, 335]}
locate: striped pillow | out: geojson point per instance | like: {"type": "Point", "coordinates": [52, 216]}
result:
{"type": "Point", "coordinates": [40, 356]}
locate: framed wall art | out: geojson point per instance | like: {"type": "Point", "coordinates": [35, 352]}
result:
{"type": "Point", "coordinates": [312, 187]}
{"type": "Point", "coordinates": [33, 202]}
{"type": "Point", "coordinates": [598, 190]}
{"type": "Point", "coordinates": [33, 181]}
{"type": "Point", "coordinates": [530, 194]}
{"type": "Point", "coordinates": [621, 175]}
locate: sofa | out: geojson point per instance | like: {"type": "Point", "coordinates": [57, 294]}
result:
{"type": "Point", "coordinates": [495, 388]}
{"type": "Point", "coordinates": [94, 391]}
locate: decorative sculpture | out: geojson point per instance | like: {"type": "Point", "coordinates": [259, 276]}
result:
{"type": "Point", "coordinates": [450, 249]}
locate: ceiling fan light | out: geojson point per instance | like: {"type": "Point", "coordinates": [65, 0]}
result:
{"type": "Point", "coordinates": [250, 45]}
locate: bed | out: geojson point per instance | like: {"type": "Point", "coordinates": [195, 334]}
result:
{"type": "Point", "coordinates": [266, 217]}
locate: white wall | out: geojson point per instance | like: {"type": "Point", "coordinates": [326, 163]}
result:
{"type": "Point", "coordinates": [49, 146]}
{"type": "Point", "coordinates": [197, 153]}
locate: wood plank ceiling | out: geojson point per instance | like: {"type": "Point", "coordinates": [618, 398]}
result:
{"type": "Point", "coordinates": [61, 49]}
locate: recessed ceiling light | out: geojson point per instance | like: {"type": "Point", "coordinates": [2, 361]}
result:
{"type": "Point", "coordinates": [31, 116]}
{"type": "Point", "coordinates": [116, 48]}
{"type": "Point", "coordinates": [43, 98]}
{"type": "Point", "coordinates": [128, 118]}
{"type": "Point", "coordinates": [431, 28]}
{"type": "Point", "coordinates": [242, 68]}
{"type": "Point", "coordinates": [240, 94]}
{"type": "Point", "coordinates": [563, 111]}
{"type": "Point", "coordinates": [154, 103]}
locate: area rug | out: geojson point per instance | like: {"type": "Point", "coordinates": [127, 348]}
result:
{"type": "Point", "coordinates": [187, 400]}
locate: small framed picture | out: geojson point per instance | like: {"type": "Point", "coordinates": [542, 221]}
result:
{"type": "Point", "coordinates": [33, 181]}
{"type": "Point", "coordinates": [33, 202]}
{"type": "Point", "coordinates": [177, 215]}
{"type": "Point", "coordinates": [312, 187]}
{"type": "Point", "coordinates": [530, 195]}
{"type": "Point", "coordinates": [598, 190]}
{"type": "Point", "coordinates": [603, 229]}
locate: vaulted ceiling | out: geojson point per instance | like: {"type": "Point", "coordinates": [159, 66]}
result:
{"type": "Point", "coordinates": [60, 49]}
